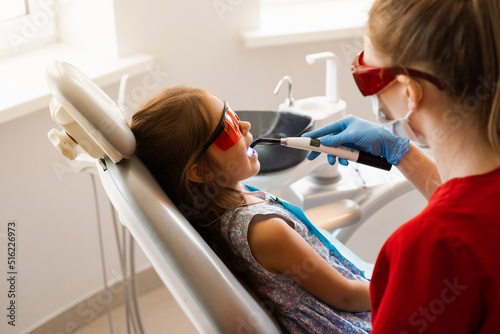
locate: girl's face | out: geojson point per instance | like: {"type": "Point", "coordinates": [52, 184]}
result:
{"type": "Point", "coordinates": [234, 165]}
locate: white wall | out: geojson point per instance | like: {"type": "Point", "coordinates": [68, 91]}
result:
{"type": "Point", "coordinates": [58, 253]}
{"type": "Point", "coordinates": [195, 46]}
{"type": "Point", "coordinates": [57, 246]}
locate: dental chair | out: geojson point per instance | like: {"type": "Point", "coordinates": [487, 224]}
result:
{"type": "Point", "coordinates": [209, 294]}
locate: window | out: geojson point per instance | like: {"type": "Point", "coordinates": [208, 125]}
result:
{"type": "Point", "coordinates": [312, 15]}
{"type": "Point", "coordinates": [26, 23]}
{"type": "Point", "coordinates": [272, 3]}
{"type": "Point", "coordinates": [12, 9]}
{"type": "Point", "coordinates": [285, 22]}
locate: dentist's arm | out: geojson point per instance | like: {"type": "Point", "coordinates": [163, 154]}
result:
{"type": "Point", "coordinates": [373, 138]}
{"type": "Point", "coordinates": [420, 170]}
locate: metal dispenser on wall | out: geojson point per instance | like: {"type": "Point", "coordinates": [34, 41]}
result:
{"type": "Point", "coordinates": [322, 109]}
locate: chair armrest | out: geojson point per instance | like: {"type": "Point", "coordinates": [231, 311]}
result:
{"type": "Point", "coordinates": [333, 216]}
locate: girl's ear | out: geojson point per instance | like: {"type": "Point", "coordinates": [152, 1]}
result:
{"type": "Point", "coordinates": [195, 174]}
{"type": "Point", "coordinates": [413, 91]}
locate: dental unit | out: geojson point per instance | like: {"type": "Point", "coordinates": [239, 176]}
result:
{"type": "Point", "coordinates": [354, 192]}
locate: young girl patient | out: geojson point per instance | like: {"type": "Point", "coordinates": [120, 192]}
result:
{"type": "Point", "coordinates": [198, 150]}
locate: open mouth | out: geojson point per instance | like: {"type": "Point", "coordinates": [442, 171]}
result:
{"type": "Point", "coordinates": [250, 152]}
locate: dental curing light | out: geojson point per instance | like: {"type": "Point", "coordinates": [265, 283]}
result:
{"type": "Point", "coordinates": [312, 144]}
{"type": "Point", "coordinates": [250, 151]}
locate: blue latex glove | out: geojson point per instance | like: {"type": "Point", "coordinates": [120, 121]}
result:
{"type": "Point", "coordinates": [359, 134]}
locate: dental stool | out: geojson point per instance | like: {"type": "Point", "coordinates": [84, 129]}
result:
{"type": "Point", "coordinates": [210, 295]}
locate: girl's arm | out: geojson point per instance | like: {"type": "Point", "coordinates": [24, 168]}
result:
{"type": "Point", "coordinates": [420, 170]}
{"type": "Point", "coordinates": [280, 249]}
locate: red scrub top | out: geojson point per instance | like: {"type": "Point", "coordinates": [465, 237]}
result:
{"type": "Point", "coordinates": [440, 272]}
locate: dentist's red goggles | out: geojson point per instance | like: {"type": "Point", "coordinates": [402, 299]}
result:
{"type": "Point", "coordinates": [371, 80]}
{"type": "Point", "coordinates": [227, 133]}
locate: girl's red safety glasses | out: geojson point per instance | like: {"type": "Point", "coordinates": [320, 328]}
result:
{"type": "Point", "coordinates": [227, 133]}
{"type": "Point", "coordinates": [371, 80]}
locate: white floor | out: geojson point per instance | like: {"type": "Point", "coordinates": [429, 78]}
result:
{"type": "Point", "coordinates": [159, 312]}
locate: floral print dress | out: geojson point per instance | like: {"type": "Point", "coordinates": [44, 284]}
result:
{"type": "Point", "coordinates": [298, 310]}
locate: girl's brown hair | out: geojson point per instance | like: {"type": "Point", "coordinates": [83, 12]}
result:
{"type": "Point", "coordinates": [171, 130]}
{"type": "Point", "coordinates": [456, 40]}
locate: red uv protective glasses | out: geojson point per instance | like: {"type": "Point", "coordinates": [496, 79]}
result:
{"type": "Point", "coordinates": [227, 133]}
{"type": "Point", "coordinates": [371, 80]}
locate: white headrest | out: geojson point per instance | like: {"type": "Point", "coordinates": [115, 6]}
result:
{"type": "Point", "coordinates": [89, 117]}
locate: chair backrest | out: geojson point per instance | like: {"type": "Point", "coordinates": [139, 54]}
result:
{"type": "Point", "coordinates": [205, 289]}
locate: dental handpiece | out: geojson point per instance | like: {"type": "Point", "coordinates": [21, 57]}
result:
{"type": "Point", "coordinates": [312, 144]}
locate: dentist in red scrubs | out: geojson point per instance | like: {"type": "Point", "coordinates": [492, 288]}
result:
{"type": "Point", "coordinates": [432, 70]}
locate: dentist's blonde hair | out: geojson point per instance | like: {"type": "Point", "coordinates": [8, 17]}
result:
{"type": "Point", "coordinates": [458, 41]}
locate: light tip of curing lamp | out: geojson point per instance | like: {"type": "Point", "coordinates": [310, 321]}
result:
{"type": "Point", "coordinates": [250, 152]}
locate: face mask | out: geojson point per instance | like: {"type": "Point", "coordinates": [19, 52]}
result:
{"type": "Point", "coordinates": [399, 127]}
